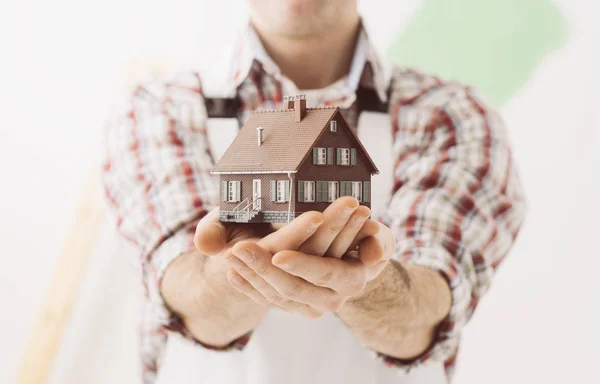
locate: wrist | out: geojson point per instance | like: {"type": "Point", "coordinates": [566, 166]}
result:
{"type": "Point", "coordinates": [178, 285]}
{"type": "Point", "coordinates": [393, 277]}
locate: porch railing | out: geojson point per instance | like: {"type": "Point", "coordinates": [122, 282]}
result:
{"type": "Point", "coordinates": [243, 210]}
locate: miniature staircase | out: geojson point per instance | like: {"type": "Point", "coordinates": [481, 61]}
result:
{"type": "Point", "coordinates": [243, 213]}
{"type": "Point", "coordinates": [248, 217]}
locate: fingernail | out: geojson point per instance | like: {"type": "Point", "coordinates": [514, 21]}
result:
{"type": "Point", "coordinates": [245, 255]}
{"type": "Point", "coordinates": [286, 265]}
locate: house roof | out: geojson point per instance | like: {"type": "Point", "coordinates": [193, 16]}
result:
{"type": "Point", "coordinates": [285, 142]}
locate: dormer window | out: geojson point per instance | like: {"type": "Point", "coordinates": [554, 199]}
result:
{"type": "Point", "coordinates": [333, 126]}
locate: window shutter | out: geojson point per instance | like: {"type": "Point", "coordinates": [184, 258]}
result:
{"type": "Point", "coordinates": [329, 156]}
{"type": "Point", "coordinates": [301, 191]}
{"type": "Point", "coordinates": [352, 156]}
{"type": "Point", "coordinates": [367, 191]}
{"type": "Point", "coordinates": [315, 155]}
{"type": "Point", "coordinates": [273, 190]}
{"type": "Point", "coordinates": [346, 188]}
{"type": "Point", "coordinates": [224, 190]}
{"type": "Point", "coordinates": [287, 191]}
{"type": "Point", "coordinates": [237, 190]}
{"type": "Point", "coordinates": [339, 156]}
{"type": "Point", "coordinates": [319, 191]}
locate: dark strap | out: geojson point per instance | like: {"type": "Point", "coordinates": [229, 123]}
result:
{"type": "Point", "coordinates": [367, 100]}
{"type": "Point", "coordinates": [222, 107]}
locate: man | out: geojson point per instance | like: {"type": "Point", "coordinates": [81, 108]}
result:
{"type": "Point", "coordinates": [317, 294]}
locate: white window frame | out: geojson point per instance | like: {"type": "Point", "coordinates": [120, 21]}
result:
{"type": "Point", "coordinates": [357, 190]}
{"type": "Point", "coordinates": [322, 156]}
{"type": "Point", "coordinates": [333, 193]}
{"type": "Point", "coordinates": [333, 126]}
{"type": "Point", "coordinates": [345, 156]}
{"type": "Point", "coordinates": [231, 191]}
{"type": "Point", "coordinates": [309, 186]}
{"type": "Point", "coordinates": [280, 196]}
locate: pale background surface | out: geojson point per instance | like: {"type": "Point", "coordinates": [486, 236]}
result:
{"type": "Point", "coordinates": [63, 61]}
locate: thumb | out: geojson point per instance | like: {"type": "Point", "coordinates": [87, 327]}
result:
{"type": "Point", "coordinates": [211, 234]}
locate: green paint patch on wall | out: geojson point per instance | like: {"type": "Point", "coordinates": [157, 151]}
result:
{"type": "Point", "coordinates": [494, 45]}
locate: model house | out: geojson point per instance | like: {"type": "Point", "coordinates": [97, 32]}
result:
{"type": "Point", "coordinates": [289, 161]}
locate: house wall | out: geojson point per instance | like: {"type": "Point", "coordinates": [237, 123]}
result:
{"type": "Point", "coordinates": [246, 191]}
{"type": "Point", "coordinates": [312, 172]}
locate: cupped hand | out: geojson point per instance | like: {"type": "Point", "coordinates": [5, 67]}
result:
{"type": "Point", "coordinates": [297, 279]}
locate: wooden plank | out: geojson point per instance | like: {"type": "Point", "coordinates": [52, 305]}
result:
{"type": "Point", "coordinates": [61, 296]}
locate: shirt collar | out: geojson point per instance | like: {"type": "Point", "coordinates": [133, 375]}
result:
{"type": "Point", "coordinates": [367, 68]}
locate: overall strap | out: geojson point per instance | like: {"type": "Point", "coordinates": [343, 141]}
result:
{"type": "Point", "coordinates": [220, 107]}
{"type": "Point", "coordinates": [367, 100]}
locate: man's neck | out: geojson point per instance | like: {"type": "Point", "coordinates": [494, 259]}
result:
{"type": "Point", "coordinates": [314, 62]}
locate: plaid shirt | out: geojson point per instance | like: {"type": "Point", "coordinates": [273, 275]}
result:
{"type": "Point", "coordinates": [456, 204]}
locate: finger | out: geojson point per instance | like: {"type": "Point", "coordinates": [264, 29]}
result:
{"type": "Point", "coordinates": [211, 235]}
{"type": "Point", "coordinates": [241, 285]}
{"type": "Point", "coordinates": [290, 287]}
{"type": "Point", "coordinates": [336, 216]}
{"type": "Point", "coordinates": [268, 292]}
{"type": "Point", "coordinates": [347, 277]}
{"type": "Point", "coordinates": [369, 228]}
{"type": "Point", "coordinates": [344, 239]}
{"type": "Point", "coordinates": [378, 247]}
{"type": "Point", "coordinates": [293, 234]}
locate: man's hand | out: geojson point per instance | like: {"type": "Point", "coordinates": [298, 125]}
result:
{"type": "Point", "coordinates": [299, 279]}
{"type": "Point", "coordinates": [196, 287]}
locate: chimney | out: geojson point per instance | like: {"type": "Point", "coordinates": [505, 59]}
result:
{"type": "Point", "coordinates": [259, 131]}
{"type": "Point", "coordinates": [288, 102]}
{"type": "Point", "coordinates": [300, 107]}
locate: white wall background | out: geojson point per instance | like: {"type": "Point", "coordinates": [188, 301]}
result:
{"type": "Point", "coordinates": [62, 61]}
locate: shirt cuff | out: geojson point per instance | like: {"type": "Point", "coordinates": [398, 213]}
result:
{"type": "Point", "coordinates": [445, 347]}
{"type": "Point", "coordinates": [180, 243]}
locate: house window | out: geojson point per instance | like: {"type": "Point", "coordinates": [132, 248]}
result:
{"type": "Point", "coordinates": [357, 190]}
{"type": "Point", "coordinates": [306, 191]}
{"type": "Point", "coordinates": [321, 156]}
{"type": "Point", "coordinates": [333, 191]}
{"type": "Point", "coordinates": [346, 156]}
{"type": "Point", "coordinates": [333, 126]}
{"type": "Point", "coordinates": [281, 189]}
{"type": "Point", "coordinates": [233, 191]}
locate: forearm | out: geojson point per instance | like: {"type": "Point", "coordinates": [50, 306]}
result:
{"type": "Point", "coordinates": [399, 311]}
{"type": "Point", "coordinates": [196, 288]}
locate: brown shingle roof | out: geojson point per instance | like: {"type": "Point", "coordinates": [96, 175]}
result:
{"type": "Point", "coordinates": [285, 142]}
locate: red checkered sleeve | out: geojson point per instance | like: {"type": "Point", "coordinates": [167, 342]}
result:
{"type": "Point", "coordinates": [457, 203]}
{"type": "Point", "coordinates": [157, 184]}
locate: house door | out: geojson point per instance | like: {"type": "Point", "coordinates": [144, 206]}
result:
{"type": "Point", "coordinates": [256, 197]}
